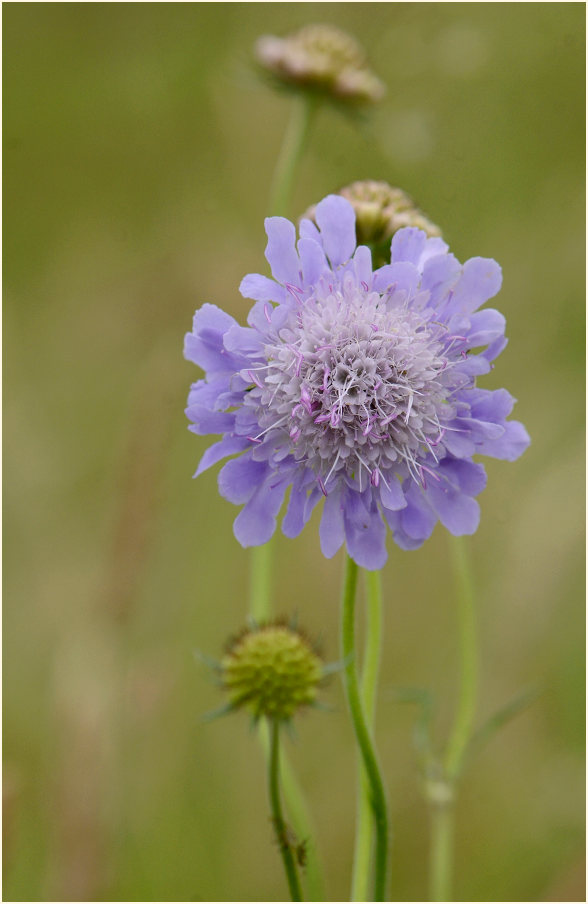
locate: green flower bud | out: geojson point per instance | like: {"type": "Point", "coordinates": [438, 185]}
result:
{"type": "Point", "coordinates": [271, 670]}
{"type": "Point", "coordinates": [321, 58]}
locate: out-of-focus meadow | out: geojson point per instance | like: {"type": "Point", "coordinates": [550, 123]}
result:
{"type": "Point", "coordinates": [138, 150]}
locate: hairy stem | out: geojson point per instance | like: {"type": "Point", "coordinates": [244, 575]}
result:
{"type": "Point", "coordinates": [280, 826]}
{"type": "Point", "coordinates": [369, 762]}
{"type": "Point", "coordinates": [301, 820]}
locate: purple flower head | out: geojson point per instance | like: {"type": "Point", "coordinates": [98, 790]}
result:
{"type": "Point", "coordinates": [354, 386]}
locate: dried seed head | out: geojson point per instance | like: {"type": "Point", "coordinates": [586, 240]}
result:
{"type": "Point", "coordinates": [321, 58]}
{"type": "Point", "coordinates": [380, 211]}
{"type": "Point", "coordinates": [271, 670]}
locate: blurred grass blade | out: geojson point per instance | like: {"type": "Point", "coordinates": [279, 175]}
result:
{"type": "Point", "coordinates": [500, 718]}
{"type": "Point", "coordinates": [424, 699]}
{"type": "Point", "coordinates": [218, 713]}
{"type": "Point", "coordinates": [207, 660]}
{"type": "Point", "coordinates": [332, 668]}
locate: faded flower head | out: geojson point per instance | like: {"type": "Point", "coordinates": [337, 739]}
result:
{"type": "Point", "coordinates": [354, 385]}
{"type": "Point", "coordinates": [380, 211]}
{"type": "Point", "coordinates": [322, 58]}
{"type": "Point", "coordinates": [271, 670]}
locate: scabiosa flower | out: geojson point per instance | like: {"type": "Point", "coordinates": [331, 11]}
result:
{"type": "Point", "coordinates": [356, 386]}
{"type": "Point", "coordinates": [321, 58]}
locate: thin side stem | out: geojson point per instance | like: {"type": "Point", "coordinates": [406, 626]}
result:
{"type": "Point", "coordinates": [364, 838]}
{"type": "Point", "coordinates": [290, 154]}
{"type": "Point", "coordinates": [300, 818]}
{"type": "Point", "coordinates": [362, 733]}
{"type": "Point", "coordinates": [468, 661]}
{"type": "Point", "coordinates": [260, 582]}
{"type": "Point", "coordinates": [302, 823]}
{"type": "Point", "coordinates": [278, 819]}
{"type": "Point", "coordinates": [441, 794]}
{"type": "Point", "coordinates": [441, 869]}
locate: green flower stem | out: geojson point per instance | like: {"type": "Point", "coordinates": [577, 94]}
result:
{"type": "Point", "coordinates": [278, 819]}
{"type": "Point", "coordinates": [293, 146]}
{"type": "Point", "coordinates": [365, 827]}
{"type": "Point", "coordinates": [441, 867]}
{"type": "Point", "coordinates": [362, 732]}
{"type": "Point", "coordinates": [301, 821]}
{"type": "Point", "coordinates": [441, 794]}
{"type": "Point", "coordinates": [299, 815]}
{"type": "Point", "coordinates": [260, 582]}
{"type": "Point", "coordinates": [468, 660]}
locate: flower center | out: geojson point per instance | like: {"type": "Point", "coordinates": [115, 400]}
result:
{"type": "Point", "coordinates": [359, 382]}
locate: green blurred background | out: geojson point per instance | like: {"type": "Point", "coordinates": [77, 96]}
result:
{"type": "Point", "coordinates": [138, 151]}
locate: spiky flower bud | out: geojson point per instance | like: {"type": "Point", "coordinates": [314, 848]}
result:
{"type": "Point", "coordinates": [272, 670]}
{"type": "Point", "coordinates": [380, 211]}
{"type": "Point", "coordinates": [321, 58]}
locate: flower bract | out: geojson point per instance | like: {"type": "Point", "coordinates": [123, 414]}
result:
{"type": "Point", "coordinates": [354, 386]}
